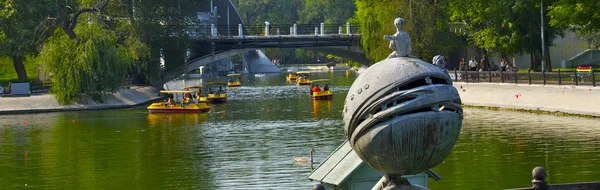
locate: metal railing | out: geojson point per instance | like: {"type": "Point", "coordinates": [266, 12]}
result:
{"type": "Point", "coordinates": [573, 78]}
{"type": "Point", "coordinates": [272, 30]}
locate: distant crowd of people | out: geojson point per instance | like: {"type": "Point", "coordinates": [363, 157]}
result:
{"type": "Point", "coordinates": [484, 65]}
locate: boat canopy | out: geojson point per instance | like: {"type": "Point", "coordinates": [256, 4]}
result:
{"type": "Point", "coordinates": [319, 80]}
{"type": "Point", "coordinates": [216, 83]}
{"type": "Point", "coordinates": [187, 87]}
{"type": "Point", "coordinates": [231, 75]}
{"type": "Point", "coordinates": [303, 72]}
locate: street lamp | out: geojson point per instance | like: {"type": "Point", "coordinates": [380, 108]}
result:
{"type": "Point", "coordinates": [543, 43]}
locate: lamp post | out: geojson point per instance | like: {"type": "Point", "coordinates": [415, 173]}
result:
{"type": "Point", "coordinates": [543, 43]}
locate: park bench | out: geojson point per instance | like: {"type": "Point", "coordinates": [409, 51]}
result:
{"type": "Point", "coordinates": [19, 89]}
{"type": "Point", "coordinates": [583, 73]}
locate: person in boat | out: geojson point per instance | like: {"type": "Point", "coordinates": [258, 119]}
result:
{"type": "Point", "coordinates": [310, 89]}
{"type": "Point", "coordinates": [197, 96]}
{"type": "Point", "coordinates": [326, 87]}
{"type": "Point", "coordinates": [316, 89]}
{"type": "Point", "coordinates": [170, 101]}
{"type": "Point", "coordinates": [237, 80]}
{"type": "Point", "coordinates": [230, 80]}
{"type": "Point", "coordinates": [187, 98]}
{"type": "Point", "coordinates": [220, 90]}
{"type": "Point", "coordinates": [210, 91]}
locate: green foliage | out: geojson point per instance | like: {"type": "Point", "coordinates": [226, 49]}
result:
{"type": "Point", "coordinates": [22, 30]}
{"type": "Point", "coordinates": [158, 24]}
{"type": "Point", "coordinates": [426, 23]}
{"type": "Point", "coordinates": [326, 11]}
{"type": "Point", "coordinates": [581, 16]}
{"type": "Point", "coordinates": [93, 64]}
{"type": "Point", "coordinates": [506, 26]}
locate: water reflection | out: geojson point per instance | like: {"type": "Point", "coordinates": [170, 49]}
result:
{"type": "Point", "coordinates": [493, 144]}
{"type": "Point", "coordinates": [176, 119]}
{"type": "Point", "coordinates": [321, 106]}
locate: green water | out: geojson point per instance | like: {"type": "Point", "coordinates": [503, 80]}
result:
{"type": "Point", "coordinates": [249, 142]}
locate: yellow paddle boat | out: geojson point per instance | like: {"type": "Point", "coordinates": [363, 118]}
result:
{"type": "Point", "coordinates": [292, 76]}
{"type": "Point", "coordinates": [234, 80]}
{"type": "Point", "coordinates": [303, 78]}
{"type": "Point", "coordinates": [319, 93]}
{"type": "Point", "coordinates": [186, 105]}
{"type": "Point", "coordinates": [198, 96]}
{"type": "Point", "coordinates": [218, 95]}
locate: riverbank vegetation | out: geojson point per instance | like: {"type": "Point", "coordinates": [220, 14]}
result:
{"type": "Point", "coordinates": [91, 46]}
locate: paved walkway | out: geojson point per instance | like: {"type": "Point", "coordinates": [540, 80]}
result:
{"type": "Point", "coordinates": [582, 100]}
{"type": "Point", "coordinates": [135, 95]}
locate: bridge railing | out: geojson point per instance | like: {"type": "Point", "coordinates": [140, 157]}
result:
{"type": "Point", "coordinates": [272, 30]}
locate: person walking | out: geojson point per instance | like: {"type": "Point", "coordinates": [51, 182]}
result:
{"type": "Point", "coordinates": [503, 64]}
{"type": "Point", "coordinates": [485, 63]}
{"type": "Point", "coordinates": [473, 66]}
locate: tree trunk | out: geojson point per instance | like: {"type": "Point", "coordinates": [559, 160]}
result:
{"type": "Point", "coordinates": [19, 67]}
{"type": "Point", "coordinates": [531, 65]}
{"type": "Point", "coordinates": [547, 58]}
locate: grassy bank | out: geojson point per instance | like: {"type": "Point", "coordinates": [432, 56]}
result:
{"type": "Point", "coordinates": [8, 73]}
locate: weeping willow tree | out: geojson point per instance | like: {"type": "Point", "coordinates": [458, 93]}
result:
{"type": "Point", "coordinates": [94, 63]}
{"type": "Point", "coordinates": [427, 23]}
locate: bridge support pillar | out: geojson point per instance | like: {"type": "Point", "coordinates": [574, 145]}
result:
{"type": "Point", "coordinates": [322, 29]}
{"type": "Point", "coordinates": [240, 30]}
{"type": "Point", "coordinates": [213, 30]}
{"type": "Point", "coordinates": [348, 28]}
{"type": "Point", "coordinates": [316, 31]}
{"type": "Point", "coordinates": [291, 31]}
{"type": "Point", "coordinates": [340, 30]}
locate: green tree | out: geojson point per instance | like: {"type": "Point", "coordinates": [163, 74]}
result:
{"type": "Point", "coordinates": [427, 23]}
{"type": "Point", "coordinates": [22, 30]}
{"type": "Point", "coordinates": [327, 11]}
{"type": "Point", "coordinates": [93, 64]}
{"type": "Point", "coordinates": [162, 26]}
{"type": "Point", "coordinates": [508, 27]}
{"type": "Point", "coordinates": [580, 16]}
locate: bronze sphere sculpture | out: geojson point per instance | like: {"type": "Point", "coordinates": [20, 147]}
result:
{"type": "Point", "coordinates": [402, 115]}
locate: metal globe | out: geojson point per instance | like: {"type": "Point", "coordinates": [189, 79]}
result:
{"type": "Point", "coordinates": [402, 116]}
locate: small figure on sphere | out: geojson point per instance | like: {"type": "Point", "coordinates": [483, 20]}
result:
{"type": "Point", "coordinates": [400, 41]}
